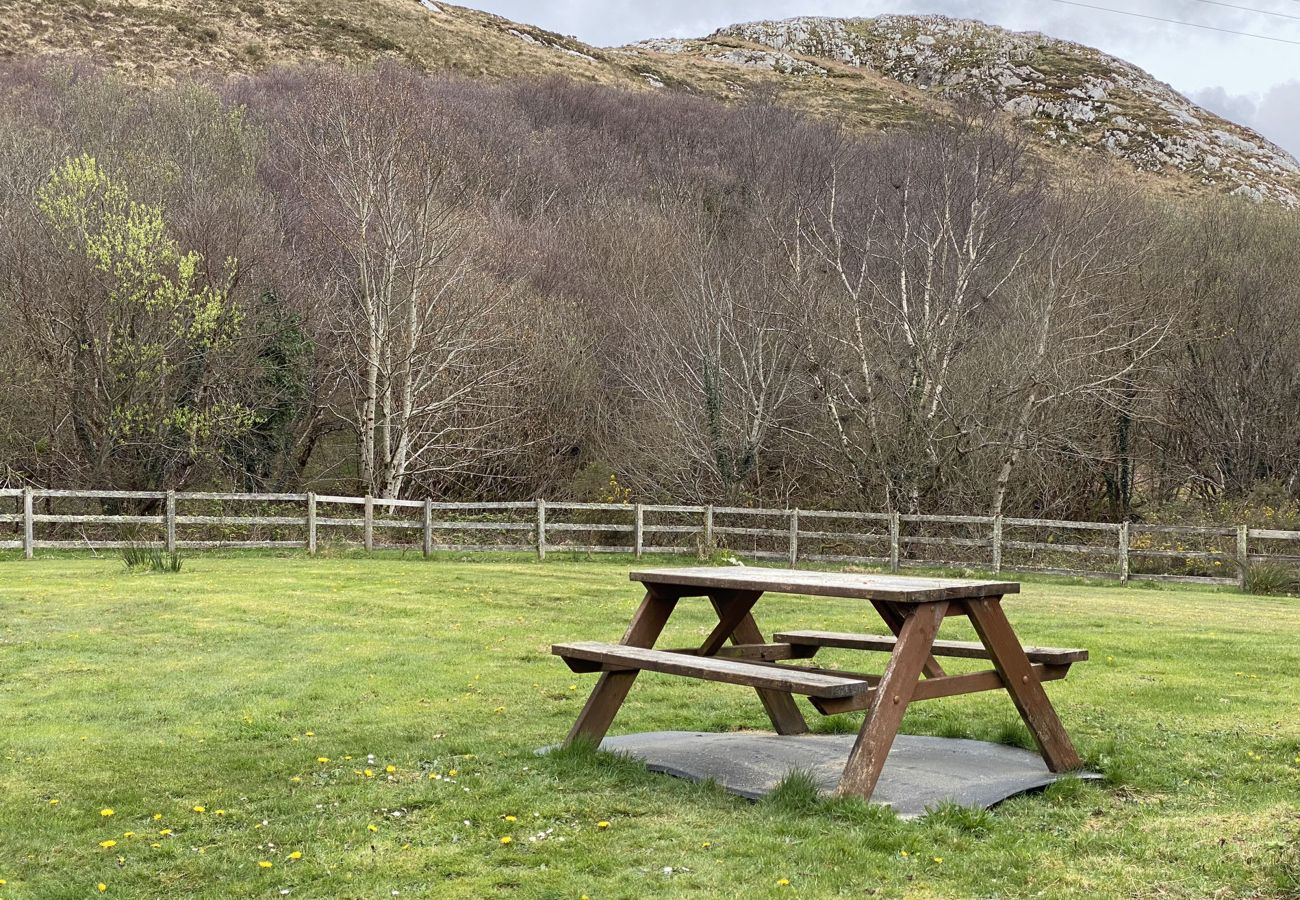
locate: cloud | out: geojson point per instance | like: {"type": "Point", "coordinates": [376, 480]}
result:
{"type": "Point", "coordinates": [1275, 112]}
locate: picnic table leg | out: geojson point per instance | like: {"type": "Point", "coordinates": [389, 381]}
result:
{"type": "Point", "coordinates": [890, 698]}
{"type": "Point", "coordinates": [612, 687]}
{"type": "Point", "coordinates": [893, 618]}
{"type": "Point", "coordinates": [736, 620]}
{"type": "Point", "coordinates": [1022, 683]}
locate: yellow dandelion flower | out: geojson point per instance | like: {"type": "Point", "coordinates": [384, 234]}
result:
{"type": "Point", "coordinates": [265, 864]}
{"type": "Point", "coordinates": [507, 839]}
{"type": "Point", "coordinates": [372, 827]}
{"type": "Point", "coordinates": [903, 853]}
{"type": "Point", "coordinates": [510, 818]}
{"type": "Point", "coordinates": [54, 802]}
{"type": "Point", "coordinates": [101, 887]}
{"type": "Point", "coordinates": [322, 759]}
{"type": "Point", "coordinates": [128, 834]}
{"type": "Point", "coordinates": [707, 844]}
{"type": "Point", "coordinates": [310, 733]}
{"type": "Point", "coordinates": [390, 769]}
{"type": "Point", "coordinates": [156, 845]}
{"type": "Point", "coordinates": [295, 779]}
{"type": "Point", "coordinates": [297, 854]}
{"type": "Point", "coordinates": [602, 824]}
{"type": "Point", "coordinates": [157, 816]}
{"type": "Point", "coordinates": [783, 882]}
{"type": "Point", "coordinates": [453, 773]}
{"type": "Point", "coordinates": [164, 831]}
{"type": "Point", "coordinates": [218, 812]}
{"type": "Point", "coordinates": [938, 859]}
{"type": "Point", "coordinates": [200, 809]}
{"type": "Point", "coordinates": [108, 843]}
{"type": "Point", "coordinates": [106, 813]}
{"type": "Point", "coordinates": [369, 773]}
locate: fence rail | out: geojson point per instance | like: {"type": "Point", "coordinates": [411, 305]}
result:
{"type": "Point", "coordinates": [176, 520]}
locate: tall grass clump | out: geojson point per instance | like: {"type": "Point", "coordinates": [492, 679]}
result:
{"type": "Point", "coordinates": [1272, 579]}
{"type": "Point", "coordinates": [142, 558]}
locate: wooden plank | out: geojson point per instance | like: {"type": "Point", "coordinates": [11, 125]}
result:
{"type": "Point", "coordinates": [856, 537]}
{"type": "Point", "coordinates": [843, 514]}
{"type": "Point", "coordinates": [1243, 554]}
{"type": "Point", "coordinates": [949, 520]}
{"type": "Point", "coordinates": [748, 511]}
{"type": "Point", "coordinates": [1124, 543]}
{"type": "Point", "coordinates": [937, 688]}
{"type": "Point", "coordinates": [170, 513]}
{"type": "Point", "coordinates": [708, 527]}
{"type": "Point", "coordinates": [311, 524]}
{"type": "Point", "coordinates": [794, 538]}
{"type": "Point", "coordinates": [97, 519]}
{"type": "Point", "coordinates": [449, 525]}
{"type": "Point", "coordinates": [638, 531]}
{"type": "Point", "coordinates": [28, 531]}
{"type": "Point", "coordinates": [231, 520]}
{"type": "Point", "coordinates": [754, 532]}
{"type": "Point", "coordinates": [620, 507]}
{"type": "Point", "coordinates": [961, 649]}
{"type": "Point", "coordinates": [843, 557]}
{"type": "Point", "coordinates": [669, 508]}
{"type": "Point", "coordinates": [997, 545]}
{"type": "Point", "coordinates": [1273, 534]}
{"type": "Point", "coordinates": [1182, 554]}
{"type": "Point", "coordinates": [611, 689]}
{"type": "Point", "coordinates": [99, 495]}
{"type": "Point", "coordinates": [671, 529]}
{"type": "Point", "coordinates": [198, 545]}
{"type": "Point", "coordinates": [541, 530]}
{"type": "Point", "coordinates": [1201, 530]}
{"type": "Point", "coordinates": [261, 498]}
{"type": "Point", "coordinates": [578, 526]}
{"type": "Point", "coordinates": [1059, 523]}
{"type": "Point", "coordinates": [368, 524]}
{"type": "Point", "coordinates": [895, 541]}
{"type": "Point", "coordinates": [945, 541]}
{"type": "Point", "coordinates": [1061, 548]}
{"type": "Point", "coordinates": [1022, 683]}
{"type": "Point", "coordinates": [426, 546]}
{"type": "Point", "coordinates": [889, 701]}
{"type": "Point", "coordinates": [618, 659]}
{"type": "Point", "coordinates": [823, 584]}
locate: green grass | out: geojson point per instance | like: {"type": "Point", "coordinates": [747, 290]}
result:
{"type": "Point", "coordinates": [221, 685]}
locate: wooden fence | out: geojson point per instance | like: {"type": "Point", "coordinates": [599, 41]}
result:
{"type": "Point", "coordinates": [174, 520]}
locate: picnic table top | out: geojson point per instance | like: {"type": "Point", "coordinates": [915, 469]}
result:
{"type": "Point", "coordinates": [893, 588]}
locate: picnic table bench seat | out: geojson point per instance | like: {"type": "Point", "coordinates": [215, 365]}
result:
{"type": "Point", "coordinates": [1052, 656]}
{"type": "Point", "coordinates": [594, 656]}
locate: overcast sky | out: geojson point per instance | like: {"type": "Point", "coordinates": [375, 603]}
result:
{"type": "Point", "coordinates": [1250, 80]}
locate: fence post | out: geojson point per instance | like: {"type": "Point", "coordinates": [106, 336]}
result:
{"type": "Point", "coordinates": [541, 528]}
{"type": "Point", "coordinates": [997, 544]}
{"type": "Point", "coordinates": [311, 523]}
{"type": "Point", "coordinates": [708, 528]}
{"type": "Point", "coordinates": [1243, 557]}
{"type": "Point", "coordinates": [637, 535]}
{"type": "Point", "coordinates": [895, 527]}
{"type": "Point", "coordinates": [369, 527]}
{"type": "Point", "coordinates": [428, 527]}
{"type": "Point", "coordinates": [27, 523]}
{"type": "Point", "coordinates": [794, 537]}
{"type": "Point", "coordinates": [1123, 553]}
{"type": "Point", "coordinates": [171, 521]}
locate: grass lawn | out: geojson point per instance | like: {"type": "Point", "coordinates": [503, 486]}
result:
{"type": "Point", "coordinates": [360, 727]}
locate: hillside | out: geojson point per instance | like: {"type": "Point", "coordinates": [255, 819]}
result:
{"type": "Point", "coordinates": [866, 73]}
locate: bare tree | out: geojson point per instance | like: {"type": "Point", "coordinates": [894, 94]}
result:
{"type": "Point", "coordinates": [422, 358]}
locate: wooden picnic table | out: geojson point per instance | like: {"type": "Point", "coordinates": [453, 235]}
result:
{"type": "Point", "coordinates": [912, 609]}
